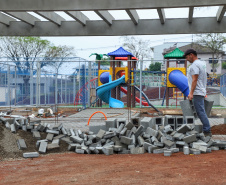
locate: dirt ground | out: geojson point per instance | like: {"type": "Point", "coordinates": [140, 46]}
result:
{"type": "Point", "coordinates": [71, 168]}
{"type": "Point", "coordinates": [62, 167]}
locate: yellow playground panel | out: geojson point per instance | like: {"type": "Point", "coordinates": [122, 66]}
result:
{"type": "Point", "coordinates": [169, 70]}
{"type": "Point", "coordinates": [117, 69]}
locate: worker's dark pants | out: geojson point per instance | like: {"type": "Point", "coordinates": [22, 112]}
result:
{"type": "Point", "coordinates": [200, 109]}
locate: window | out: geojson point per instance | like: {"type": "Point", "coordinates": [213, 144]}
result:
{"type": "Point", "coordinates": [215, 70]}
{"type": "Point", "coordinates": [211, 60]}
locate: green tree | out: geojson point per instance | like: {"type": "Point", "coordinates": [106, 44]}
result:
{"type": "Point", "coordinates": [223, 65]}
{"type": "Point", "coordinates": [155, 66]}
{"type": "Point", "coordinates": [214, 42]}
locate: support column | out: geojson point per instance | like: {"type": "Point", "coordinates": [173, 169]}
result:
{"type": "Point", "coordinates": [118, 64]}
{"type": "Point", "coordinates": [133, 88]}
{"type": "Point", "coordinates": [113, 91]}
{"type": "Point", "coordinates": [167, 88]}
{"type": "Point", "coordinates": [129, 83]}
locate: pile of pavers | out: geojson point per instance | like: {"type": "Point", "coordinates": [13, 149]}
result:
{"type": "Point", "coordinates": [166, 135]}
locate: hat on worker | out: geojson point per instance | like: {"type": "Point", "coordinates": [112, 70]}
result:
{"type": "Point", "coordinates": [189, 51]}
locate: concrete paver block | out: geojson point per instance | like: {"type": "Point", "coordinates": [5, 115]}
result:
{"type": "Point", "coordinates": [49, 137]}
{"type": "Point", "coordinates": [168, 143]}
{"type": "Point", "coordinates": [190, 139]}
{"type": "Point", "coordinates": [76, 139]}
{"type": "Point", "coordinates": [140, 141]}
{"type": "Point", "coordinates": [31, 155]}
{"type": "Point", "coordinates": [158, 151]}
{"type": "Point", "coordinates": [100, 134]}
{"type": "Point", "coordinates": [13, 128]}
{"type": "Point", "coordinates": [120, 128]}
{"type": "Point", "coordinates": [183, 129]}
{"type": "Point", "coordinates": [138, 131]}
{"type": "Point", "coordinates": [21, 144]}
{"type": "Point", "coordinates": [167, 152]}
{"type": "Point", "coordinates": [129, 125]}
{"type": "Point", "coordinates": [126, 140]}
{"type": "Point", "coordinates": [52, 146]}
{"type": "Point", "coordinates": [42, 147]}
{"type": "Point", "coordinates": [56, 132]}
{"type": "Point", "coordinates": [137, 150]}
{"type": "Point", "coordinates": [36, 135]}
{"type": "Point", "coordinates": [151, 132]}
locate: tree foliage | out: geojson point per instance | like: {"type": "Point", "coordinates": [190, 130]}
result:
{"type": "Point", "coordinates": [139, 48]}
{"type": "Point", "coordinates": [155, 66]}
{"type": "Point", "coordinates": [224, 65]}
{"type": "Point", "coordinates": [215, 43]}
{"type": "Point", "coordinates": [23, 51]}
{"type": "Point", "coordinates": [57, 55]}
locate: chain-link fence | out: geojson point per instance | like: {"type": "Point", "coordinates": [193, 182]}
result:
{"type": "Point", "coordinates": [223, 84]}
{"type": "Point", "coordinates": [73, 81]}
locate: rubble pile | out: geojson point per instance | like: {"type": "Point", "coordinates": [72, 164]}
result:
{"type": "Point", "coordinates": [166, 135]}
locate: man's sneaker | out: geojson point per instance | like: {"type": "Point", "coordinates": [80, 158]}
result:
{"type": "Point", "coordinates": [207, 134]}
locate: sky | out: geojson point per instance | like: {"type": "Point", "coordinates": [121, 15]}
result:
{"type": "Point", "coordinates": [84, 46]}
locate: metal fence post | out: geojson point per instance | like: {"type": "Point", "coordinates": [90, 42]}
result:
{"type": "Point", "coordinates": [89, 78]}
{"type": "Point", "coordinates": [38, 84]}
{"type": "Point", "coordinates": [31, 84]}
{"type": "Point", "coordinates": [9, 94]}
{"type": "Point", "coordinates": [73, 87]}
{"type": "Point", "coordinates": [79, 85]}
{"type": "Point", "coordinates": [65, 89]}
{"type": "Point", "coordinates": [45, 87]}
{"type": "Point", "coordinates": [15, 80]}
{"type": "Point", "coordinates": [61, 90]}
{"type": "Point", "coordinates": [141, 66]}
{"type": "Point", "coordinates": [56, 88]}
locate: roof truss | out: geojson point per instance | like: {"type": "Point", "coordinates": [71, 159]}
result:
{"type": "Point", "coordinates": [81, 25]}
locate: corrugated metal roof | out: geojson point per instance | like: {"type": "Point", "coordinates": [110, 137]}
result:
{"type": "Point", "coordinates": [176, 53]}
{"type": "Point", "coordinates": [120, 52]}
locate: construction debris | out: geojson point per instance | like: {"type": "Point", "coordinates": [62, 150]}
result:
{"type": "Point", "coordinates": [158, 135]}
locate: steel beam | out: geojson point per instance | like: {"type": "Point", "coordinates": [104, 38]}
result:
{"type": "Point", "coordinates": [106, 16]}
{"type": "Point", "coordinates": [51, 16]}
{"type": "Point", "coordinates": [78, 16]}
{"type": "Point", "coordinates": [84, 5]}
{"type": "Point", "coordinates": [118, 28]}
{"type": "Point", "coordinates": [190, 14]}
{"type": "Point", "coordinates": [133, 16]}
{"type": "Point", "coordinates": [220, 13]}
{"type": "Point", "coordinates": [161, 14]}
{"type": "Point", "coordinates": [24, 16]}
{"type": "Point", "coordinates": [4, 19]}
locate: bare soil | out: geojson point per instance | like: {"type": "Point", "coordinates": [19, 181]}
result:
{"type": "Point", "coordinates": [72, 168]}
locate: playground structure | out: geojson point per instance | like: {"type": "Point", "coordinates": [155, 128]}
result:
{"type": "Point", "coordinates": [118, 78]}
{"type": "Point", "coordinates": [110, 81]}
{"type": "Point", "coordinates": [176, 76]}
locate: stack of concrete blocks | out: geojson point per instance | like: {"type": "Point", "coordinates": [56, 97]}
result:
{"type": "Point", "coordinates": [118, 136]}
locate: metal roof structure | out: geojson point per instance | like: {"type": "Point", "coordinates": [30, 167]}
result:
{"type": "Point", "coordinates": [120, 52]}
{"type": "Point", "coordinates": [17, 18]}
{"type": "Point", "coordinates": [176, 53]}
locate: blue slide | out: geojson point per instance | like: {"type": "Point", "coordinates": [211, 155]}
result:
{"type": "Point", "coordinates": [104, 92]}
{"type": "Point", "coordinates": [178, 79]}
